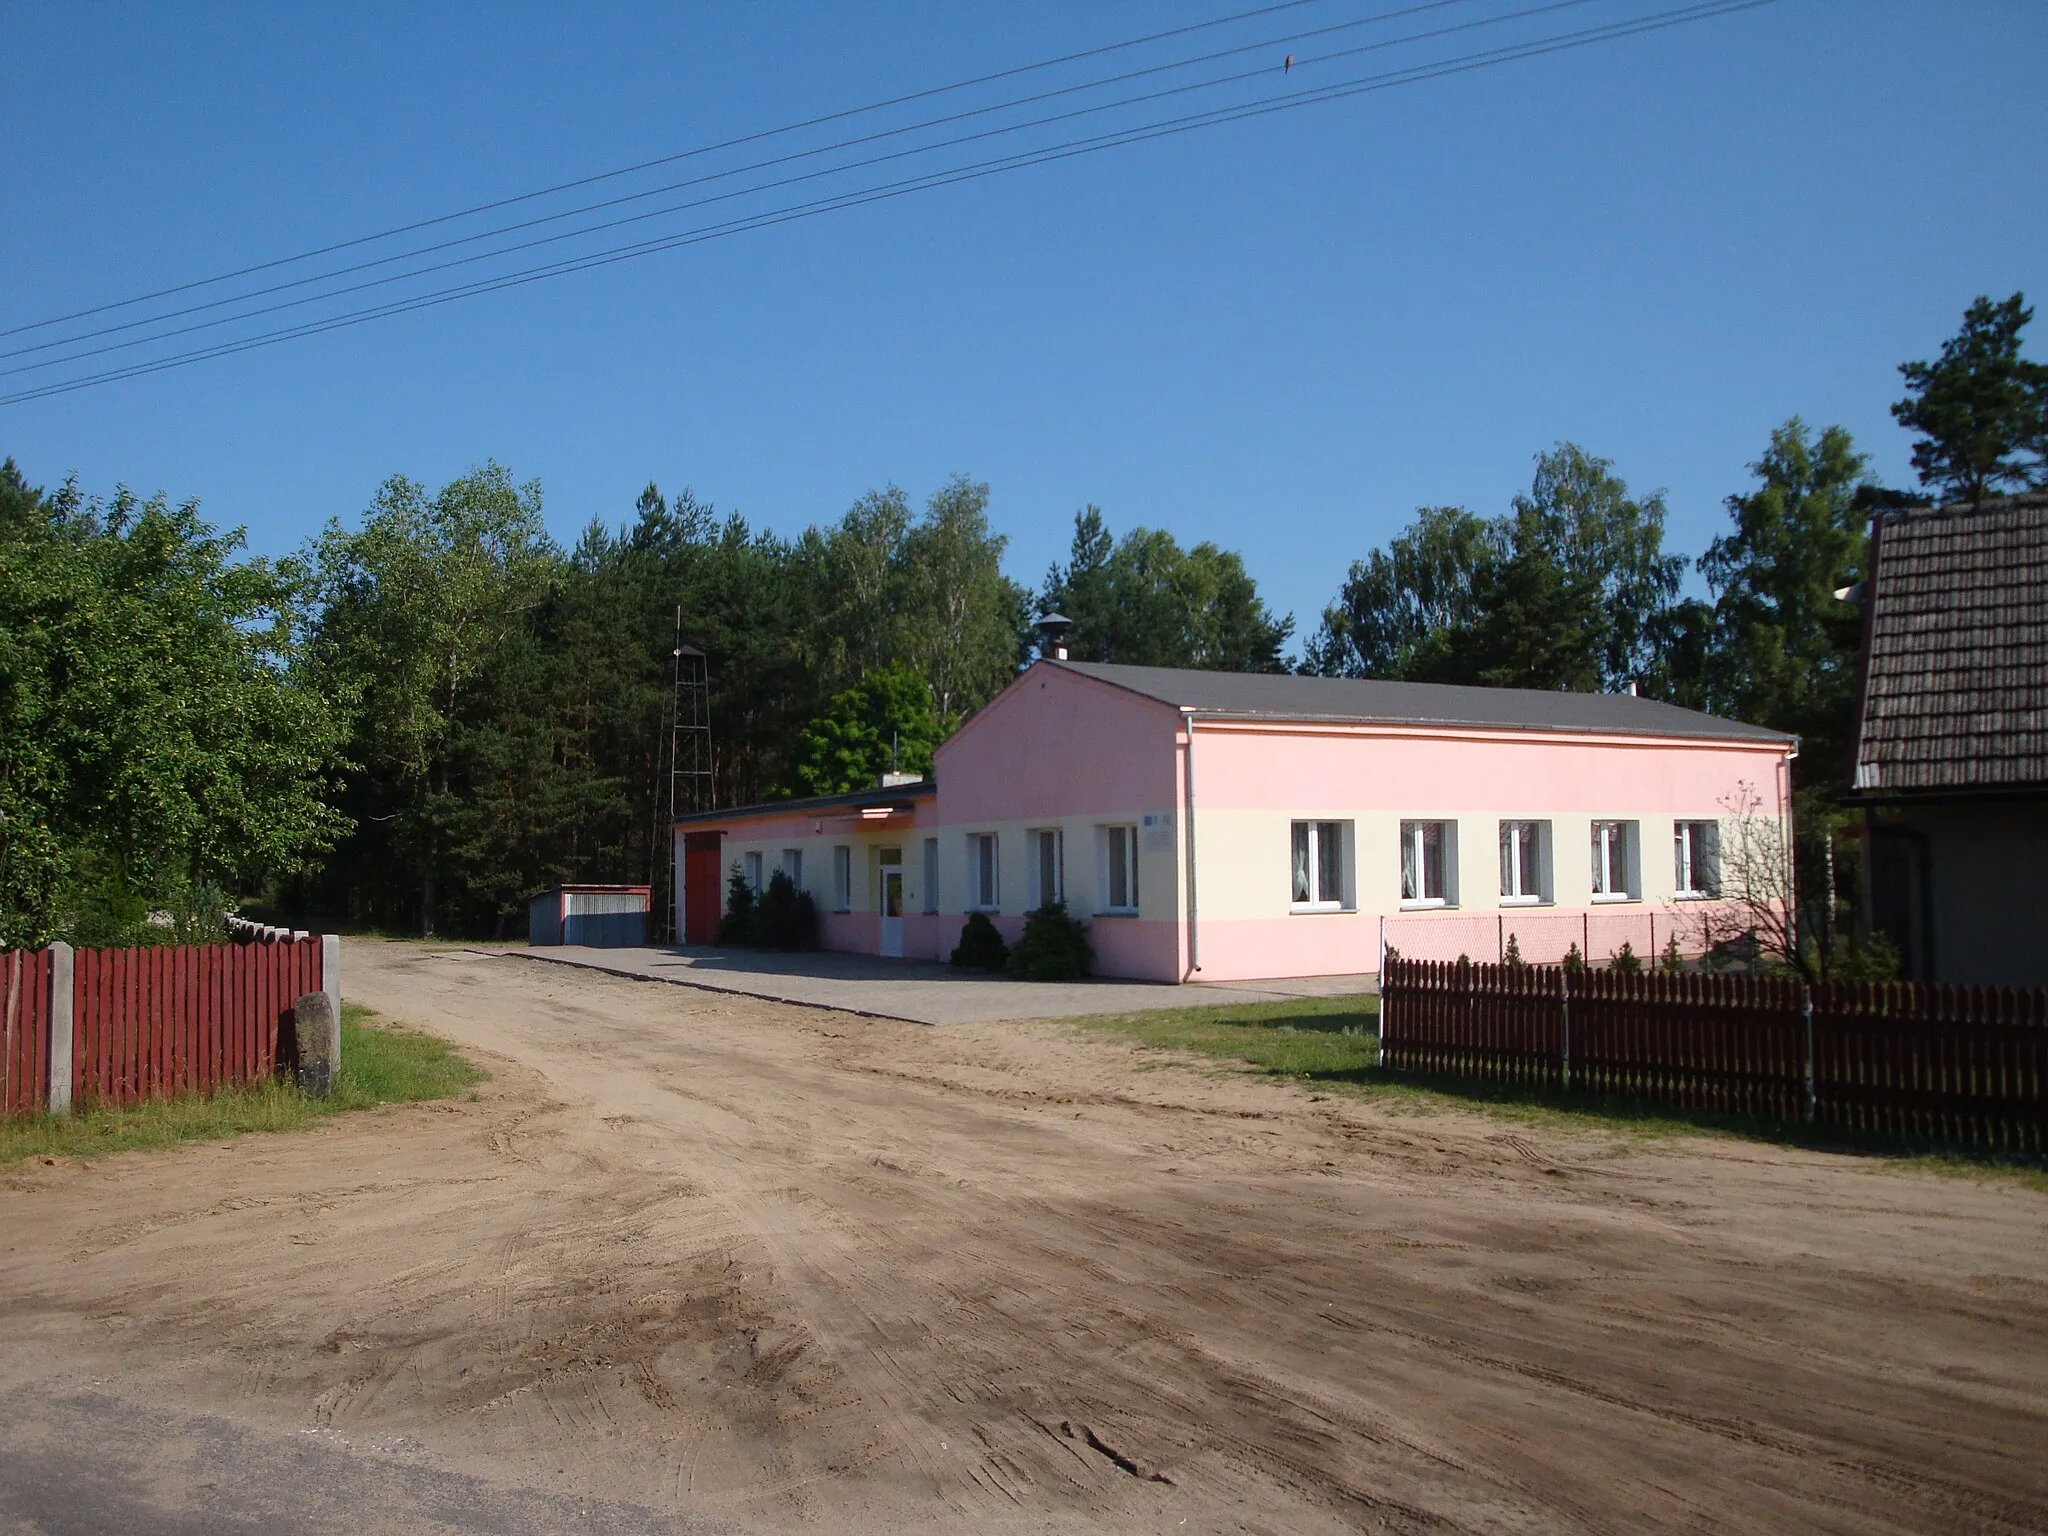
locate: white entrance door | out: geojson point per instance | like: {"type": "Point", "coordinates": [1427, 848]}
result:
{"type": "Point", "coordinates": [892, 912]}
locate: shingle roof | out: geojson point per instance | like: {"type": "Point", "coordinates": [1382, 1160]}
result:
{"type": "Point", "coordinates": [1284, 696]}
{"type": "Point", "coordinates": [854, 800]}
{"type": "Point", "coordinates": [1955, 662]}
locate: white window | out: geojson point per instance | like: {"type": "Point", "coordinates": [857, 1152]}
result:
{"type": "Point", "coordinates": [1614, 861]}
{"type": "Point", "coordinates": [1048, 882]}
{"type": "Point", "coordinates": [1119, 869]}
{"type": "Point", "coordinates": [1696, 846]}
{"type": "Point", "coordinates": [1427, 860]}
{"type": "Point", "coordinates": [931, 874]}
{"type": "Point", "coordinates": [1318, 865]}
{"type": "Point", "coordinates": [1524, 861]}
{"type": "Point", "coordinates": [752, 865]}
{"type": "Point", "coordinates": [793, 866]}
{"type": "Point", "coordinates": [842, 878]}
{"type": "Point", "coordinates": [984, 893]}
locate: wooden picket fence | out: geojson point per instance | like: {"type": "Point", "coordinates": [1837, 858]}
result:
{"type": "Point", "coordinates": [24, 1029]}
{"type": "Point", "coordinates": [144, 1023]}
{"type": "Point", "coordinates": [1959, 1065]}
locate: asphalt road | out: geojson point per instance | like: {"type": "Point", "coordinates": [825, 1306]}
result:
{"type": "Point", "coordinates": [81, 1461]}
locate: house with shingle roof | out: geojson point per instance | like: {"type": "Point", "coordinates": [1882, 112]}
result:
{"type": "Point", "coordinates": [1215, 826]}
{"type": "Point", "coordinates": [1951, 764]}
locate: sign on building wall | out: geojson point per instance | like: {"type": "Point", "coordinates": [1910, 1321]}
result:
{"type": "Point", "coordinates": [1157, 832]}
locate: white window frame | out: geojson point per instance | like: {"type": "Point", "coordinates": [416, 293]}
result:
{"type": "Point", "coordinates": [1602, 844]}
{"type": "Point", "coordinates": [842, 877]}
{"type": "Point", "coordinates": [1415, 834]}
{"type": "Point", "coordinates": [1688, 858]}
{"type": "Point", "coordinates": [793, 866]}
{"type": "Point", "coordinates": [1035, 841]}
{"type": "Point", "coordinates": [1317, 853]}
{"type": "Point", "coordinates": [1513, 849]}
{"type": "Point", "coordinates": [751, 864]}
{"type": "Point", "coordinates": [1122, 837]}
{"type": "Point", "coordinates": [931, 876]}
{"type": "Point", "coordinates": [984, 855]}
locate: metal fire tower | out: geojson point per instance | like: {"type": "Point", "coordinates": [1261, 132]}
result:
{"type": "Point", "coordinates": [685, 758]}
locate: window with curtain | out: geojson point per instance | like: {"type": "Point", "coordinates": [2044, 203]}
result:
{"type": "Point", "coordinates": [1614, 863]}
{"type": "Point", "coordinates": [982, 887]}
{"type": "Point", "coordinates": [1423, 863]}
{"type": "Point", "coordinates": [1696, 847]}
{"type": "Point", "coordinates": [1317, 856]}
{"type": "Point", "coordinates": [1523, 855]}
{"type": "Point", "coordinates": [842, 878]}
{"type": "Point", "coordinates": [1120, 869]}
{"type": "Point", "coordinates": [1048, 867]}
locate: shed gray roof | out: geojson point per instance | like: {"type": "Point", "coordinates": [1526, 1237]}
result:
{"type": "Point", "coordinates": [1284, 696]}
{"type": "Point", "coordinates": [899, 795]}
{"type": "Point", "coordinates": [1955, 657]}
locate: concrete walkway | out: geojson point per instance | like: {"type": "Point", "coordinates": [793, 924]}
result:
{"type": "Point", "coordinates": [918, 990]}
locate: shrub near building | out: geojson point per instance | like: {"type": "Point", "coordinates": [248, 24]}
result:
{"type": "Point", "coordinates": [1054, 946]}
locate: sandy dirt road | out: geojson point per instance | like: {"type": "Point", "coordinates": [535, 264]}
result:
{"type": "Point", "coordinates": [752, 1265]}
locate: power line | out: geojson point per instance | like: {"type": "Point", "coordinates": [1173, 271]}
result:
{"type": "Point", "coordinates": [1340, 90]}
{"type": "Point", "coordinates": [673, 208]}
{"type": "Point", "coordinates": [707, 149]}
{"type": "Point", "coordinates": [1267, 43]}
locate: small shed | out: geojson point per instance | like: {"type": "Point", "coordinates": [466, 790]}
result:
{"type": "Point", "coordinates": [599, 916]}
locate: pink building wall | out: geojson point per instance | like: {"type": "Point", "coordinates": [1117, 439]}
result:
{"type": "Point", "coordinates": [1284, 767]}
{"type": "Point", "coordinates": [1056, 743]}
{"type": "Point", "coordinates": [1058, 746]}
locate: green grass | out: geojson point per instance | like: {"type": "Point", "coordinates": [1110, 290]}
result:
{"type": "Point", "coordinates": [380, 1064]}
{"type": "Point", "coordinates": [1331, 1044]}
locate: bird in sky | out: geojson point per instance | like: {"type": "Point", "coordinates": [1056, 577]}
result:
{"type": "Point", "coordinates": [1288, 66]}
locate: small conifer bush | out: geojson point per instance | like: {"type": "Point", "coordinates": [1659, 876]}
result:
{"type": "Point", "coordinates": [787, 918]}
{"type": "Point", "coordinates": [736, 926]}
{"type": "Point", "coordinates": [1625, 960]}
{"type": "Point", "coordinates": [980, 948]}
{"type": "Point", "coordinates": [1054, 946]}
{"type": "Point", "coordinates": [1512, 956]}
{"type": "Point", "coordinates": [1573, 960]}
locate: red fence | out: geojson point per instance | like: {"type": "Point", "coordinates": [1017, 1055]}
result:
{"type": "Point", "coordinates": [1954, 1064]}
{"type": "Point", "coordinates": [141, 1023]}
{"type": "Point", "coordinates": [151, 1022]}
{"type": "Point", "coordinates": [24, 1028]}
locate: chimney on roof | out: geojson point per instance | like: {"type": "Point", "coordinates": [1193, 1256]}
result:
{"type": "Point", "coordinates": [1053, 630]}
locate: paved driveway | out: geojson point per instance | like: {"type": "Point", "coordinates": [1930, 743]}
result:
{"type": "Point", "coordinates": [916, 990]}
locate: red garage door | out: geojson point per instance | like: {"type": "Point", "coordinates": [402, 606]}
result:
{"type": "Point", "coordinates": [702, 895]}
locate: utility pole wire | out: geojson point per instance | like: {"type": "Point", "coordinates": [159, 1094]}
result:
{"type": "Point", "coordinates": [686, 154]}
{"type": "Point", "coordinates": [1659, 21]}
{"type": "Point", "coordinates": [683, 207]}
{"type": "Point", "coordinates": [798, 155]}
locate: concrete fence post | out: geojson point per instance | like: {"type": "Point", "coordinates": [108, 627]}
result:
{"type": "Point", "coordinates": [330, 983]}
{"type": "Point", "coordinates": [62, 1031]}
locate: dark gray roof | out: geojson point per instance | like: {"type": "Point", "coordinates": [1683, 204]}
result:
{"type": "Point", "coordinates": [1955, 658]}
{"type": "Point", "coordinates": [1284, 696]}
{"type": "Point", "coordinates": [854, 800]}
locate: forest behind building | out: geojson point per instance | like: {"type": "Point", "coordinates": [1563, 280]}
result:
{"type": "Point", "coordinates": [434, 709]}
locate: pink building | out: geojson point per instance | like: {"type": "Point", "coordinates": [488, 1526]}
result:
{"type": "Point", "coordinates": [1214, 826]}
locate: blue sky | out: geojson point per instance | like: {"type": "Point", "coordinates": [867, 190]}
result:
{"type": "Point", "coordinates": [1282, 335]}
